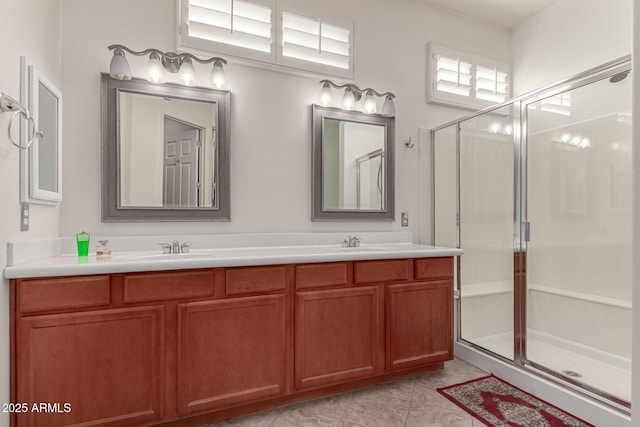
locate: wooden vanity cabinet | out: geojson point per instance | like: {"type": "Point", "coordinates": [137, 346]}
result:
{"type": "Point", "coordinates": [193, 346]}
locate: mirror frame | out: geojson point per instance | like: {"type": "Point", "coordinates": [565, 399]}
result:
{"type": "Point", "coordinates": [318, 213]}
{"type": "Point", "coordinates": [112, 211]}
{"type": "Point", "coordinates": [30, 191]}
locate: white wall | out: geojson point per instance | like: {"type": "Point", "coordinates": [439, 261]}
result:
{"type": "Point", "coordinates": [567, 38]}
{"type": "Point", "coordinates": [30, 28]}
{"type": "Point", "coordinates": [635, 327]}
{"type": "Point", "coordinates": [271, 119]}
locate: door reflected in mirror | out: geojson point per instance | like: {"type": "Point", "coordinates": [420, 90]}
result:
{"type": "Point", "coordinates": [172, 142]}
{"type": "Point", "coordinates": [352, 166]}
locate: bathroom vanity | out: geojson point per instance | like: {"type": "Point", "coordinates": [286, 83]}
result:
{"type": "Point", "coordinates": [188, 346]}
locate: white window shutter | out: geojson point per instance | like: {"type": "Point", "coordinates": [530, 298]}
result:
{"type": "Point", "coordinates": [312, 41]}
{"type": "Point", "coordinates": [233, 27]}
{"type": "Point", "coordinates": [315, 41]}
{"type": "Point", "coordinates": [279, 32]}
{"type": "Point", "coordinates": [491, 82]}
{"type": "Point", "coordinates": [453, 76]}
{"type": "Point", "coordinates": [464, 79]}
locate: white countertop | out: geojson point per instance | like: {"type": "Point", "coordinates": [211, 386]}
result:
{"type": "Point", "coordinates": [382, 246]}
{"type": "Point", "coordinates": [72, 265]}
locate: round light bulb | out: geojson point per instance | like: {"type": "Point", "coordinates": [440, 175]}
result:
{"type": "Point", "coordinates": [119, 67]}
{"type": "Point", "coordinates": [369, 103]}
{"type": "Point", "coordinates": [389, 107]}
{"type": "Point", "coordinates": [348, 100]}
{"type": "Point", "coordinates": [218, 79]}
{"type": "Point", "coordinates": [326, 97]}
{"type": "Point", "coordinates": [155, 70]}
{"type": "Point", "coordinates": [187, 72]}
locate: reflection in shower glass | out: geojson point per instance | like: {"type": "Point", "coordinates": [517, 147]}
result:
{"type": "Point", "coordinates": [579, 254]}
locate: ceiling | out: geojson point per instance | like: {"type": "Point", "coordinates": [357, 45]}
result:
{"type": "Point", "coordinates": [502, 13]}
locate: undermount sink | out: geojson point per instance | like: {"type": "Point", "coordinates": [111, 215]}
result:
{"type": "Point", "coordinates": [160, 256]}
{"type": "Point", "coordinates": [356, 249]}
{"type": "Point", "coordinates": [234, 252]}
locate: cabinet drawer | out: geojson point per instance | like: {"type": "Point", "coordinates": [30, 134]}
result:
{"type": "Point", "coordinates": [166, 286]}
{"type": "Point", "coordinates": [322, 275]}
{"type": "Point", "coordinates": [35, 295]}
{"type": "Point", "coordinates": [380, 271]}
{"type": "Point", "coordinates": [434, 268]}
{"type": "Point", "coordinates": [251, 280]}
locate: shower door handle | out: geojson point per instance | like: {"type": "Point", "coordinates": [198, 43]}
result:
{"type": "Point", "coordinates": [526, 226]}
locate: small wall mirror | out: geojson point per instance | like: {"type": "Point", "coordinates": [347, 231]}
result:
{"type": "Point", "coordinates": [42, 162]}
{"type": "Point", "coordinates": [165, 152]}
{"type": "Point", "coordinates": [352, 166]}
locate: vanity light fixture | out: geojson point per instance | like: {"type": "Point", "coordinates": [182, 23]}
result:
{"type": "Point", "coordinates": [162, 62]}
{"type": "Point", "coordinates": [353, 94]}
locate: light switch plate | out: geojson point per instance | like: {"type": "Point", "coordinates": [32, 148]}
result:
{"type": "Point", "coordinates": [24, 217]}
{"type": "Point", "coordinates": [404, 219]}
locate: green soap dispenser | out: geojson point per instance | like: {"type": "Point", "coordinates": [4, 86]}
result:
{"type": "Point", "coordinates": [82, 239]}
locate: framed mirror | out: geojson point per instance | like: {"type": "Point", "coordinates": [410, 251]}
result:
{"type": "Point", "coordinates": [352, 166]}
{"type": "Point", "coordinates": [165, 152]}
{"type": "Point", "coordinates": [41, 171]}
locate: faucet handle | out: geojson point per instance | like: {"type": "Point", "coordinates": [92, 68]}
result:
{"type": "Point", "coordinates": [344, 243]}
{"type": "Point", "coordinates": [356, 242]}
{"type": "Point", "coordinates": [184, 248]}
{"type": "Point", "coordinates": [166, 248]}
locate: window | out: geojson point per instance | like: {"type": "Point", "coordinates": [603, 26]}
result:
{"type": "Point", "coordinates": [466, 80]}
{"type": "Point", "coordinates": [491, 84]}
{"type": "Point", "coordinates": [324, 42]}
{"type": "Point", "coordinates": [304, 40]}
{"type": "Point", "coordinates": [231, 27]}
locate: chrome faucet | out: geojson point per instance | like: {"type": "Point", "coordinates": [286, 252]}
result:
{"type": "Point", "coordinates": [350, 242]}
{"type": "Point", "coordinates": [175, 247]}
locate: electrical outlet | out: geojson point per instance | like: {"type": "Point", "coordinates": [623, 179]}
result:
{"type": "Point", "coordinates": [404, 219]}
{"type": "Point", "coordinates": [24, 217]}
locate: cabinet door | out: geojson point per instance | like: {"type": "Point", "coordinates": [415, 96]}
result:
{"type": "Point", "coordinates": [230, 352]}
{"type": "Point", "coordinates": [107, 365]}
{"type": "Point", "coordinates": [336, 335]}
{"type": "Point", "coordinates": [419, 323]}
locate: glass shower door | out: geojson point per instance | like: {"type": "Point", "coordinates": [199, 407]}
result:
{"type": "Point", "coordinates": [486, 206]}
{"type": "Point", "coordinates": [578, 257]}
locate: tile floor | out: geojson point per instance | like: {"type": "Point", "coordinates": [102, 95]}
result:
{"type": "Point", "coordinates": [410, 402]}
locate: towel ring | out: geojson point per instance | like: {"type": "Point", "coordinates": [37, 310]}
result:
{"type": "Point", "coordinates": [34, 132]}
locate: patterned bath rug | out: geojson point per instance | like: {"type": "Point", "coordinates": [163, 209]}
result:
{"type": "Point", "coordinates": [497, 403]}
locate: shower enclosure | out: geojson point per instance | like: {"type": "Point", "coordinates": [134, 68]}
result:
{"type": "Point", "coordinates": [537, 191]}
